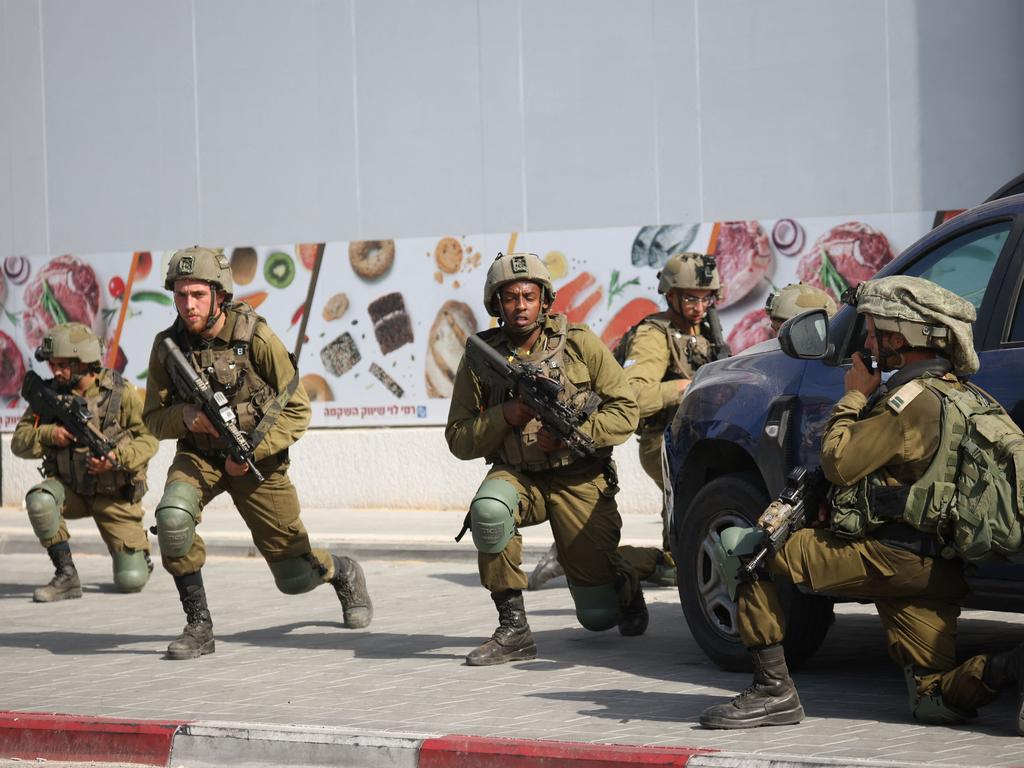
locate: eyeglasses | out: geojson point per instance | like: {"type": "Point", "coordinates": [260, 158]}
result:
{"type": "Point", "coordinates": [692, 301]}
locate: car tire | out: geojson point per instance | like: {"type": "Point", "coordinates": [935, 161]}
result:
{"type": "Point", "coordinates": [710, 612]}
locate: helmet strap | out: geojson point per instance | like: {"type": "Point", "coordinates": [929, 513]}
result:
{"type": "Point", "coordinates": [215, 310]}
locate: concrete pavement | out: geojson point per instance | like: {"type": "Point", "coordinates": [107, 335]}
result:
{"type": "Point", "coordinates": [285, 665]}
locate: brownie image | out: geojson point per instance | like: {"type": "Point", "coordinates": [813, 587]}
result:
{"type": "Point", "coordinates": [391, 323]}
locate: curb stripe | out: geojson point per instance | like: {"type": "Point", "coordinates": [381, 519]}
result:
{"type": "Point", "coordinates": [485, 752]}
{"type": "Point", "coordinates": [29, 735]}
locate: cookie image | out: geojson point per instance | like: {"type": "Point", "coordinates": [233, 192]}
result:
{"type": "Point", "coordinates": [391, 323]}
{"type": "Point", "coordinates": [316, 387]}
{"type": "Point", "coordinates": [448, 255]}
{"type": "Point", "coordinates": [455, 322]}
{"type": "Point", "coordinates": [382, 376]}
{"type": "Point", "coordinates": [336, 307]}
{"type": "Point", "coordinates": [340, 355]}
{"type": "Point", "coordinates": [371, 259]}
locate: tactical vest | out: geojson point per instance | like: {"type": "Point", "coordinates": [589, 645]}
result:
{"type": "Point", "coordinates": [228, 368]}
{"type": "Point", "coordinates": [519, 448]}
{"type": "Point", "coordinates": [70, 464]}
{"type": "Point", "coordinates": [968, 497]}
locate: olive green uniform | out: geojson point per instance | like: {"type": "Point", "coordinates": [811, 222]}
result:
{"type": "Point", "coordinates": [271, 508]}
{"type": "Point", "coordinates": [659, 356]}
{"type": "Point", "coordinates": [117, 510]}
{"type": "Point", "coordinates": [918, 596]}
{"type": "Point", "coordinates": [575, 497]}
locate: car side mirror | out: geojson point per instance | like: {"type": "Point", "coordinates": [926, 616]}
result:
{"type": "Point", "coordinates": [805, 336]}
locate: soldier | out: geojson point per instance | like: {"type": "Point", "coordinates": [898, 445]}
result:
{"type": "Point", "coordinates": [881, 450]}
{"type": "Point", "coordinates": [242, 358]}
{"type": "Point", "coordinates": [794, 299]}
{"type": "Point", "coordinates": [533, 476]}
{"type": "Point", "coordinates": [78, 484]}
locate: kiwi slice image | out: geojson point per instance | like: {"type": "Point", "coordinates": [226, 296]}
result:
{"type": "Point", "coordinates": [279, 269]}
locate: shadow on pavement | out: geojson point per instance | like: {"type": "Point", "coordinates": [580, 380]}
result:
{"type": "Point", "coordinates": [77, 643]}
{"type": "Point", "coordinates": [11, 591]}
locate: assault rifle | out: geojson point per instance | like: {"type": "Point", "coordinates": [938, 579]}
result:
{"type": "Point", "coordinates": [68, 410]}
{"type": "Point", "coordinates": [787, 514]}
{"type": "Point", "coordinates": [541, 393]}
{"type": "Point", "coordinates": [196, 389]}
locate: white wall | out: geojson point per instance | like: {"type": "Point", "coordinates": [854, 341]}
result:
{"type": "Point", "coordinates": [128, 124]}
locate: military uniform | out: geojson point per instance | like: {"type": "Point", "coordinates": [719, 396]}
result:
{"type": "Point", "coordinates": [574, 495]}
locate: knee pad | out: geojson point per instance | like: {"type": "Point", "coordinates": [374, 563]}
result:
{"type": "Point", "coordinates": [131, 571]}
{"type": "Point", "coordinates": [492, 515]}
{"type": "Point", "coordinates": [929, 708]}
{"type": "Point", "coordinates": [296, 575]}
{"type": "Point", "coordinates": [597, 608]}
{"type": "Point", "coordinates": [176, 515]}
{"type": "Point", "coordinates": [728, 552]}
{"type": "Point", "coordinates": [44, 503]}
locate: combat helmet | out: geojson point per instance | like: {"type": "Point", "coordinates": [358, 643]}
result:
{"type": "Point", "coordinates": [71, 341]}
{"type": "Point", "coordinates": [796, 298]}
{"type": "Point", "coordinates": [197, 263]}
{"type": "Point", "coordinates": [696, 271]}
{"type": "Point", "coordinates": [511, 267]}
{"type": "Point", "coordinates": [926, 314]}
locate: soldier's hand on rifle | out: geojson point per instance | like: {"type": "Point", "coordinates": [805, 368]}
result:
{"type": "Point", "coordinates": [96, 466]}
{"type": "Point", "coordinates": [235, 469]}
{"type": "Point", "coordinates": [196, 421]}
{"type": "Point", "coordinates": [517, 413]}
{"type": "Point", "coordinates": [683, 384]}
{"type": "Point", "coordinates": [61, 436]}
{"type": "Point", "coordinates": [548, 442]}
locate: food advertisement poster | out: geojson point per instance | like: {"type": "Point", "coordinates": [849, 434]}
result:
{"type": "Point", "coordinates": [385, 323]}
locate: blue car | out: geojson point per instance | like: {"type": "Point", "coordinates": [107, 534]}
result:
{"type": "Point", "coordinates": [746, 421]}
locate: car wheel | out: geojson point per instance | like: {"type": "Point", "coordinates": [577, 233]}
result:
{"type": "Point", "coordinates": [710, 612]}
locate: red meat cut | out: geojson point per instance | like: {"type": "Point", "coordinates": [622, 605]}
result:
{"type": "Point", "coordinates": [744, 258]}
{"type": "Point", "coordinates": [753, 328]}
{"type": "Point", "coordinates": [74, 288]}
{"type": "Point", "coordinates": [855, 250]}
{"type": "Point", "coordinates": [12, 366]}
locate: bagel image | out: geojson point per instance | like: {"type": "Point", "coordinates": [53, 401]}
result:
{"type": "Point", "coordinates": [317, 388]}
{"type": "Point", "coordinates": [371, 259]}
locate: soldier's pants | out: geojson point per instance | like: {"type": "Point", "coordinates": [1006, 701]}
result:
{"type": "Point", "coordinates": [585, 523]}
{"type": "Point", "coordinates": [645, 559]}
{"type": "Point", "coordinates": [119, 521]}
{"type": "Point", "coordinates": [270, 509]}
{"type": "Point", "coordinates": [917, 598]}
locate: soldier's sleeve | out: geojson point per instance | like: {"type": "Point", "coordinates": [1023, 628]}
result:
{"type": "Point", "coordinates": [162, 417]}
{"type": "Point", "coordinates": [618, 414]}
{"type": "Point", "coordinates": [143, 445]}
{"type": "Point", "coordinates": [274, 366]}
{"type": "Point", "coordinates": [852, 448]}
{"type": "Point", "coordinates": [473, 430]}
{"type": "Point", "coordinates": [647, 362]}
{"type": "Point", "coordinates": [28, 439]}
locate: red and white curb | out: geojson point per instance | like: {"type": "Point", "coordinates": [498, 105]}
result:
{"type": "Point", "coordinates": [198, 744]}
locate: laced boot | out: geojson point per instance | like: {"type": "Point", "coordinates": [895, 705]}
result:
{"type": "Point", "coordinates": [664, 572]}
{"type": "Point", "coordinates": [770, 700]}
{"type": "Point", "coordinates": [1006, 670]}
{"type": "Point", "coordinates": [65, 584]}
{"type": "Point", "coordinates": [512, 640]}
{"type": "Point", "coordinates": [547, 568]}
{"type": "Point", "coordinates": [634, 618]}
{"type": "Point", "coordinates": [196, 639]}
{"type": "Point", "coordinates": [350, 585]}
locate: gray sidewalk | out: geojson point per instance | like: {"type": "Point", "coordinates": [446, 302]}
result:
{"type": "Point", "coordinates": [287, 660]}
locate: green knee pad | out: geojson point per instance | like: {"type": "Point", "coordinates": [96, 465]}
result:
{"type": "Point", "coordinates": [130, 570]}
{"type": "Point", "coordinates": [44, 503]}
{"type": "Point", "coordinates": [176, 515]}
{"type": "Point", "coordinates": [597, 608]}
{"type": "Point", "coordinates": [492, 515]}
{"type": "Point", "coordinates": [930, 708]}
{"type": "Point", "coordinates": [727, 554]}
{"type": "Point", "coordinates": [296, 575]}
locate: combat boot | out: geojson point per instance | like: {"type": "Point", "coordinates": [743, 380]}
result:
{"type": "Point", "coordinates": [1006, 670]}
{"type": "Point", "coordinates": [664, 572]}
{"type": "Point", "coordinates": [197, 638]}
{"type": "Point", "coordinates": [548, 568]}
{"type": "Point", "coordinates": [65, 584]}
{"type": "Point", "coordinates": [634, 619]}
{"type": "Point", "coordinates": [350, 585]}
{"type": "Point", "coordinates": [770, 700]}
{"type": "Point", "coordinates": [512, 640]}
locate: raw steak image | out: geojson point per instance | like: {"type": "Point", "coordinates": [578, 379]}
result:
{"type": "Point", "coordinates": [753, 328]}
{"type": "Point", "coordinates": [65, 290]}
{"type": "Point", "coordinates": [744, 258]}
{"type": "Point", "coordinates": [12, 366]}
{"type": "Point", "coordinates": [854, 251]}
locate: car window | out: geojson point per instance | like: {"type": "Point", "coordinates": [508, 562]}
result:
{"type": "Point", "coordinates": [964, 265]}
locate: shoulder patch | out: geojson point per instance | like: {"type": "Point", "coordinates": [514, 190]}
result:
{"type": "Point", "coordinates": [903, 396]}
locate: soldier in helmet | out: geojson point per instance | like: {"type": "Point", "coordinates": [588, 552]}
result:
{"type": "Point", "coordinates": [235, 350]}
{"type": "Point", "coordinates": [533, 476]}
{"type": "Point", "coordinates": [794, 299]}
{"type": "Point", "coordinates": [78, 484]}
{"type": "Point", "coordinates": [882, 450]}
